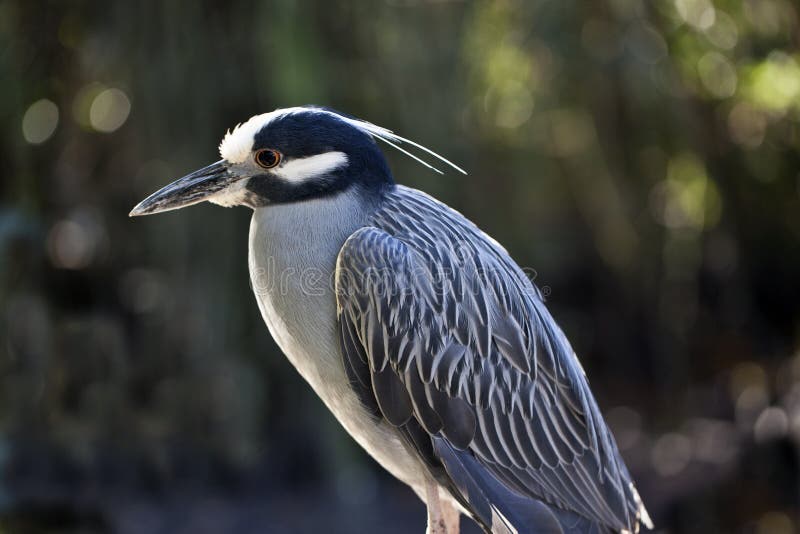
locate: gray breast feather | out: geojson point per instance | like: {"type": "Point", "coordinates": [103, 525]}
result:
{"type": "Point", "coordinates": [440, 328]}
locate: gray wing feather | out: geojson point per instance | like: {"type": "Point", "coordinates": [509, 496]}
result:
{"type": "Point", "coordinates": [447, 329]}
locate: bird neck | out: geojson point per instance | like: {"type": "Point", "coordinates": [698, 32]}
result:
{"type": "Point", "coordinates": [292, 259]}
{"type": "Point", "coordinates": [308, 234]}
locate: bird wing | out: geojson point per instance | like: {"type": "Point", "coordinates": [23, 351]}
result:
{"type": "Point", "coordinates": [444, 336]}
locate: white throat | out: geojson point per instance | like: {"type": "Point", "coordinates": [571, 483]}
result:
{"type": "Point", "coordinates": [293, 251]}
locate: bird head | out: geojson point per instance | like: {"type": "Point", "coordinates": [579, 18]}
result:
{"type": "Point", "coordinates": [288, 155]}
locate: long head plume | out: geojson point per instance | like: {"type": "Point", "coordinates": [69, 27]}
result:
{"type": "Point", "coordinates": [394, 140]}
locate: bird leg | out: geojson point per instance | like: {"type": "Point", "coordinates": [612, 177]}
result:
{"type": "Point", "coordinates": [443, 517]}
{"type": "Point", "coordinates": [451, 516]}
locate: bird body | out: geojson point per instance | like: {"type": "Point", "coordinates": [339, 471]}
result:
{"type": "Point", "coordinates": [416, 329]}
{"type": "Point", "coordinates": [297, 303]}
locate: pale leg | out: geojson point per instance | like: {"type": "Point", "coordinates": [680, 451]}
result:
{"type": "Point", "coordinates": [451, 515]}
{"type": "Point", "coordinates": [443, 517]}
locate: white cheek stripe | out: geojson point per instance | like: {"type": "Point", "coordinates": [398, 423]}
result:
{"type": "Point", "coordinates": [302, 169]}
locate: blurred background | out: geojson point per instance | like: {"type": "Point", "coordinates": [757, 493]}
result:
{"type": "Point", "coordinates": [642, 157]}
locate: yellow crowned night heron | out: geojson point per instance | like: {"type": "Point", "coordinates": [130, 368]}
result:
{"type": "Point", "coordinates": [430, 346]}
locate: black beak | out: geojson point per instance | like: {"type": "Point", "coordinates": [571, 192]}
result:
{"type": "Point", "coordinates": [191, 189]}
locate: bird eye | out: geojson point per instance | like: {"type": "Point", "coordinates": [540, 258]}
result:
{"type": "Point", "coordinates": [267, 158]}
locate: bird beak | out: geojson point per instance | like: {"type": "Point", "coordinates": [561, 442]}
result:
{"type": "Point", "coordinates": [191, 189]}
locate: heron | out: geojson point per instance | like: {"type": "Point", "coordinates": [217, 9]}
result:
{"type": "Point", "coordinates": [430, 345]}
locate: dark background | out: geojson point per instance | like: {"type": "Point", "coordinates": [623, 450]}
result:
{"type": "Point", "coordinates": [643, 157]}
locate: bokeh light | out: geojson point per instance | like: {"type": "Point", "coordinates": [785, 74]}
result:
{"type": "Point", "coordinates": [775, 522]}
{"type": "Point", "coordinates": [774, 84]}
{"type": "Point", "coordinates": [671, 454]}
{"type": "Point", "coordinates": [717, 74]}
{"type": "Point", "coordinates": [687, 198]}
{"type": "Point", "coordinates": [646, 43]}
{"type": "Point", "coordinates": [771, 424]}
{"type": "Point", "coordinates": [724, 33]}
{"type": "Point", "coordinates": [40, 121]}
{"type": "Point", "coordinates": [109, 110]}
{"type": "Point", "coordinates": [747, 125]}
{"type": "Point", "coordinates": [74, 242]}
{"type": "Point", "coordinates": [698, 13]}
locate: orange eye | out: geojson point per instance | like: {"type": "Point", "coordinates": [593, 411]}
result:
{"type": "Point", "coordinates": [267, 158]}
